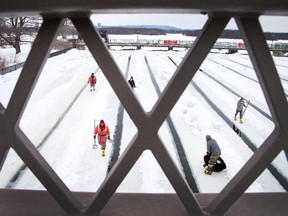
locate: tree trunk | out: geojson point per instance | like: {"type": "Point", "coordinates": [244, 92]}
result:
{"type": "Point", "coordinates": [17, 47]}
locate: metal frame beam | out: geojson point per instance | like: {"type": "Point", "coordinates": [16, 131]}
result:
{"type": "Point", "coordinates": [58, 200]}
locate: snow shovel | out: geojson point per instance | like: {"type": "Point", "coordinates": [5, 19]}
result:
{"type": "Point", "coordinates": [94, 145]}
{"type": "Point", "coordinates": [245, 109]}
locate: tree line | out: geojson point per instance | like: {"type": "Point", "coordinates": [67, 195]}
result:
{"type": "Point", "coordinates": [231, 34]}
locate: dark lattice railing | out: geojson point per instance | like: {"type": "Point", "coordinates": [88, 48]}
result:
{"type": "Point", "coordinates": [59, 200]}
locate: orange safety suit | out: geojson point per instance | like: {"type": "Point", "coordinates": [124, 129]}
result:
{"type": "Point", "coordinates": [103, 133]}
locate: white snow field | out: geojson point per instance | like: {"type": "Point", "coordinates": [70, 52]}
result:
{"type": "Point", "coordinates": [68, 149]}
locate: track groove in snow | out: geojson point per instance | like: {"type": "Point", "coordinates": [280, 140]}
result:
{"type": "Point", "coordinates": [70, 151]}
{"type": "Point", "coordinates": [280, 178]}
{"type": "Point", "coordinates": [176, 140]}
{"type": "Point", "coordinates": [118, 130]}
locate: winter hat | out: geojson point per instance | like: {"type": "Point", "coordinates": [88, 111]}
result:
{"type": "Point", "coordinates": [102, 121]}
{"type": "Point", "coordinates": [208, 137]}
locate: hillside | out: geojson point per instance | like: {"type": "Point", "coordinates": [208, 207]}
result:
{"type": "Point", "coordinates": [161, 30]}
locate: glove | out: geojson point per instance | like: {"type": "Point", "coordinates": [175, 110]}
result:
{"type": "Point", "coordinates": [94, 136]}
{"type": "Point", "coordinates": [109, 137]}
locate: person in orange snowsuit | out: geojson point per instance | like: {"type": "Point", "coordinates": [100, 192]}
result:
{"type": "Point", "coordinates": [92, 80]}
{"type": "Point", "coordinates": [103, 133]}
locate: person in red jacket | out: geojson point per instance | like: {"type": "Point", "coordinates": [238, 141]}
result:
{"type": "Point", "coordinates": [103, 133]}
{"type": "Point", "coordinates": [92, 80]}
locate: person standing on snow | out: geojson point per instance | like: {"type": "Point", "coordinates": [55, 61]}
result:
{"type": "Point", "coordinates": [131, 82]}
{"type": "Point", "coordinates": [92, 80]}
{"type": "Point", "coordinates": [239, 109]}
{"type": "Point", "coordinates": [103, 134]}
{"type": "Point", "coordinates": [214, 151]}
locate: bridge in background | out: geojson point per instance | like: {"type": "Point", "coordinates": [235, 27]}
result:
{"type": "Point", "coordinates": [232, 46]}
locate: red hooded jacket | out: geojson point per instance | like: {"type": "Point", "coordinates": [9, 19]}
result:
{"type": "Point", "coordinates": [103, 131]}
{"type": "Point", "coordinates": [92, 79]}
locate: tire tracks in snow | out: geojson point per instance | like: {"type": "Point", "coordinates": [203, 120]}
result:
{"type": "Point", "coordinates": [253, 68]}
{"type": "Point", "coordinates": [274, 171]}
{"type": "Point", "coordinates": [231, 69]}
{"type": "Point", "coordinates": [118, 129]}
{"type": "Point", "coordinates": [49, 133]}
{"type": "Point", "coordinates": [181, 152]}
{"type": "Point", "coordinates": [238, 95]}
{"type": "Point", "coordinates": [231, 90]}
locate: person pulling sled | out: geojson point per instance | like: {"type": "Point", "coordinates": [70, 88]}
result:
{"type": "Point", "coordinates": [103, 133]}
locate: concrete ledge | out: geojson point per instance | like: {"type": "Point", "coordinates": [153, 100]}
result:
{"type": "Point", "coordinates": [29, 203]}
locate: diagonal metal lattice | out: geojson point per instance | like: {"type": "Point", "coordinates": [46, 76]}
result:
{"type": "Point", "coordinates": [275, 143]}
{"type": "Point", "coordinates": [16, 138]}
{"type": "Point", "coordinates": [11, 136]}
{"type": "Point", "coordinates": [148, 139]}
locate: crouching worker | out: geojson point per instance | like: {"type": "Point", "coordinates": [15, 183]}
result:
{"type": "Point", "coordinates": [103, 134]}
{"type": "Point", "coordinates": [214, 151]}
{"type": "Point", "coordinates": [219, 166]}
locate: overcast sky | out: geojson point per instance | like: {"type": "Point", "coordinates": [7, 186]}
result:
{"type": "Point", "coordinates": [269, 24]}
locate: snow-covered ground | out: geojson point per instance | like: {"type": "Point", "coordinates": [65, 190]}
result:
{"type": "Point", "coordinates": [69, 148]}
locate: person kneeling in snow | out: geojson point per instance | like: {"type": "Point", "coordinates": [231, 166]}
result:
{"type": "Point", "coordinates": [214, 150]}
{"type": "Point", "coordinates": [219, 166]}
{"type": "Point", "coordinates": [103, 134]}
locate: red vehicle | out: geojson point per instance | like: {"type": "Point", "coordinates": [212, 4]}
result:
{"type": "Point", "coordinates": [241, 45]}
{"type": "Point", "coordinates": [170, 42]}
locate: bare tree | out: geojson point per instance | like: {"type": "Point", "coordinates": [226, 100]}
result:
{"type": "Point", "coordinates": [67, 29]}
{"type": "Point", "coordinates": [12, 28]}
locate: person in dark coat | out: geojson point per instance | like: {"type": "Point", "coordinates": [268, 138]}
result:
{"type": "Point", "coordinates": [219, 166]}
{"type": "Point", "coordinates": [214, 150]}
{"type": "Point", "coordinates": [131, 82]}
{"type": "Point", "coordinates": [239, 109]}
